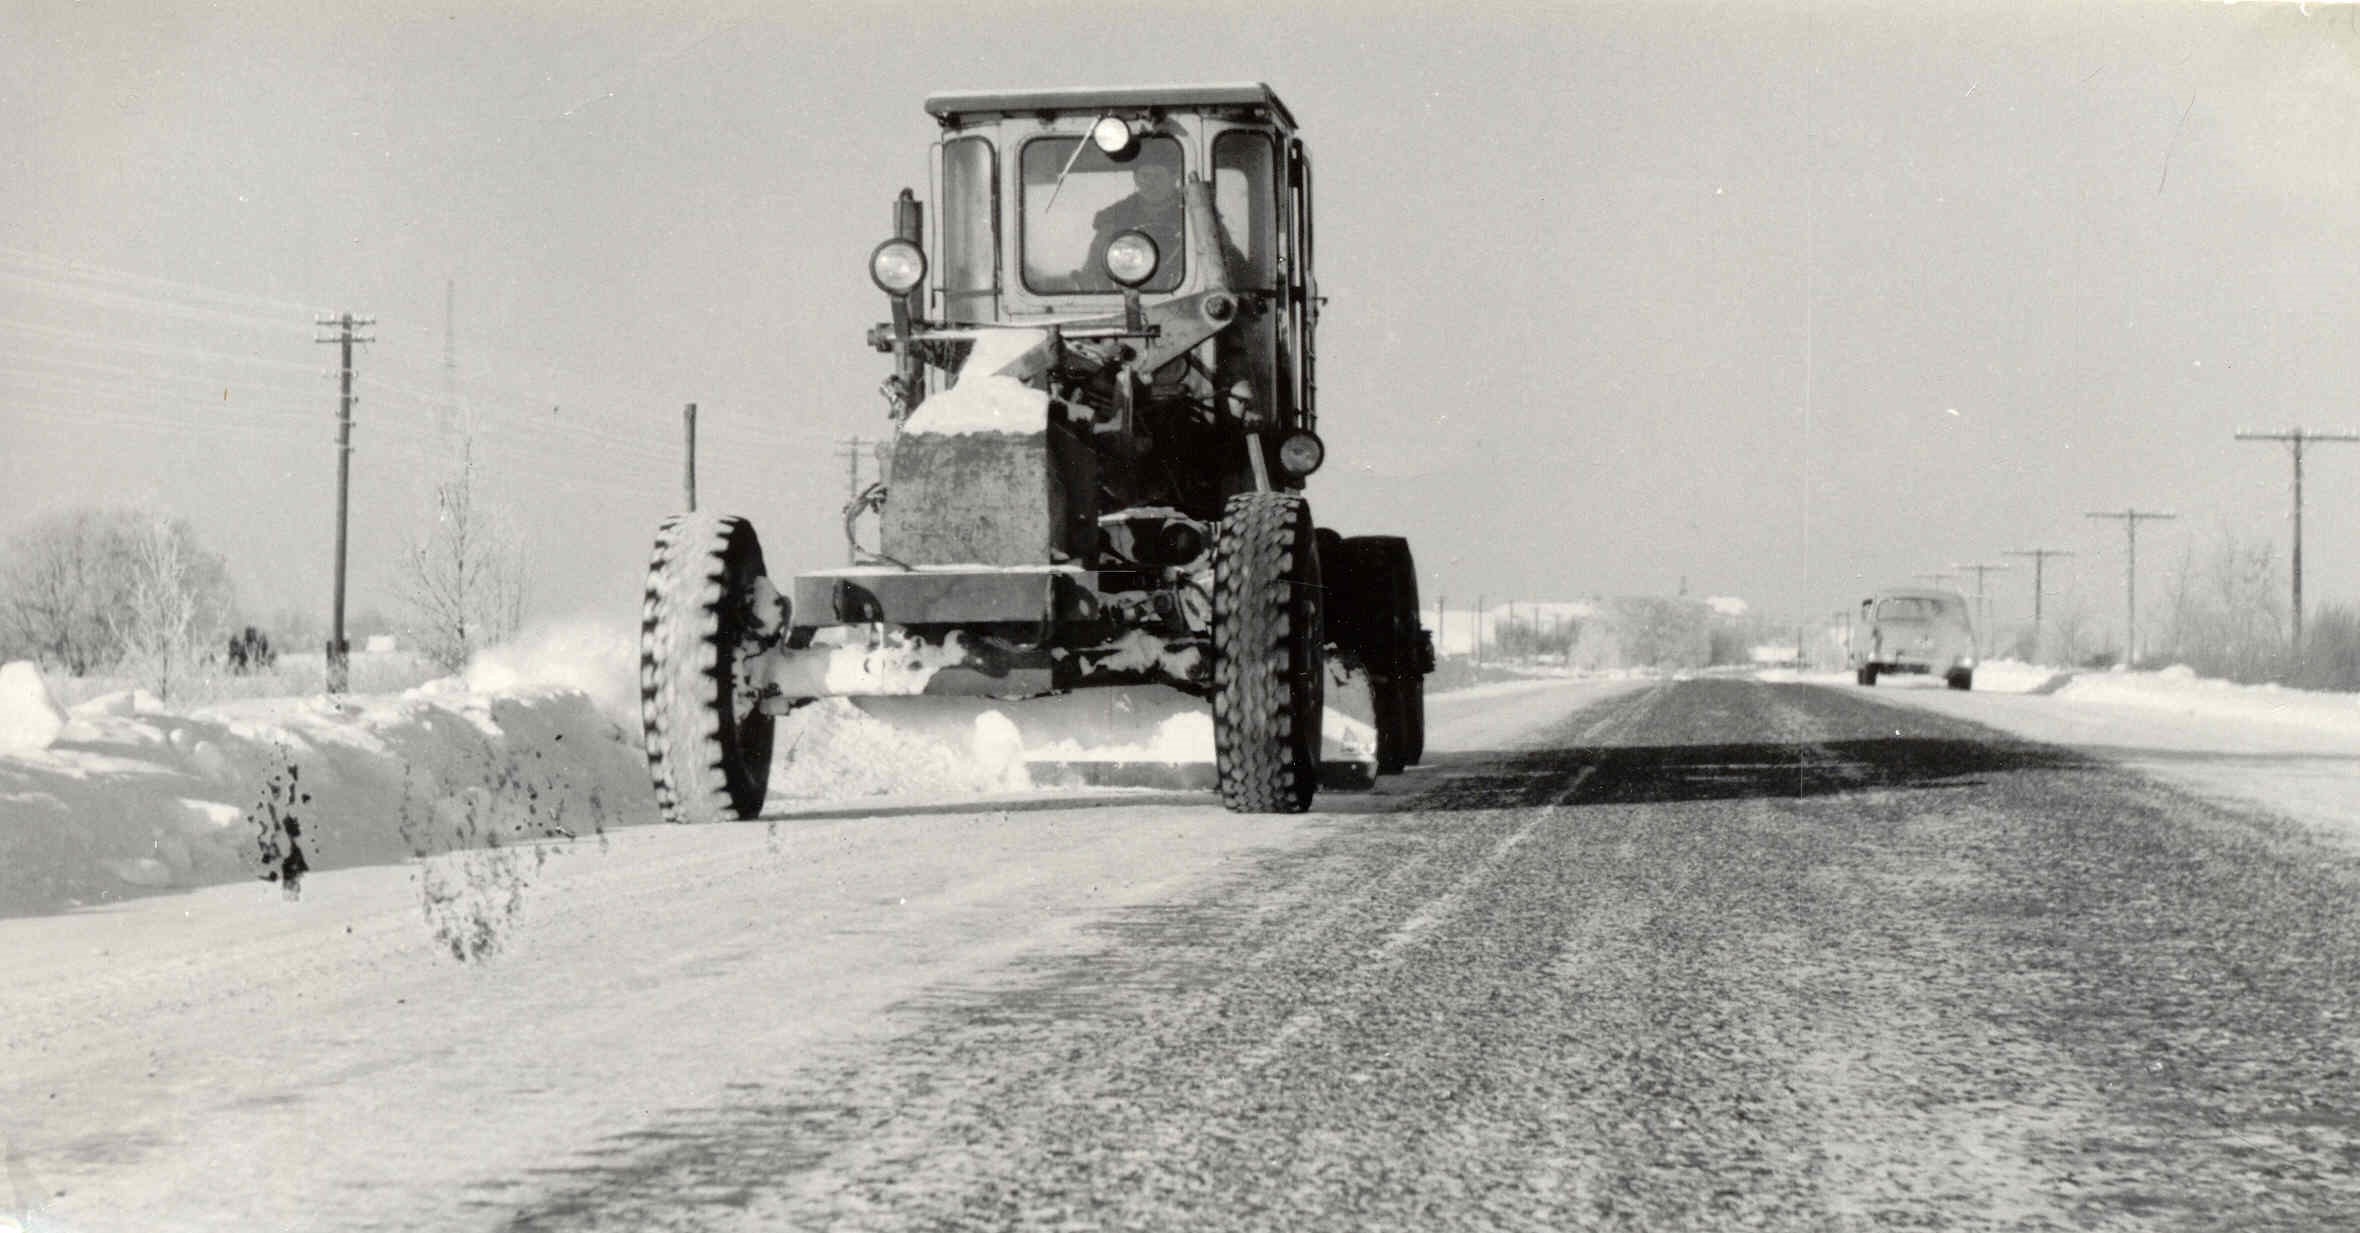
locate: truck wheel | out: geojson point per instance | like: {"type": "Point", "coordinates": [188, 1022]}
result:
{"type": "Point", "coordinates": [708, 745]}
{"type": "Point", "coordinates": [1413, 722]}
{"type": "Point", "coordinates": [1268, 661]}
{"type": "Point", "coordinates": [1962, 680]}
{"type": "Point", "coordinates": [1868, 675]}
{"type": "Point", "coordinates": [1409, 652]}
{"type": "Point", "coordinates": [1383, 596]}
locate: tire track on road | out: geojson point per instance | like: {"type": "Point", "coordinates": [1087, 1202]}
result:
{"type": "Point", "coordinates": [1719, 956]}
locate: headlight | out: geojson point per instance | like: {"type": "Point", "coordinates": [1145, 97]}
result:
{"type": "Point", "coordinates": [897, 266]}
{"type": "Point", "coordinates": [1966, 661]}
{"type": "Point", "coordinates": [1111, 134]}
{"type": "Point", "coordinates": [1131, 259]}
{"type": "Point", "coordinates": [1300, 453]}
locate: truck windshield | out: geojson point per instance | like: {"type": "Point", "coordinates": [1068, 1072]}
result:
{"type": "Point", "coordinates": [1067, 226]}
{"type": "Point", "coordinates": [1915, 608]}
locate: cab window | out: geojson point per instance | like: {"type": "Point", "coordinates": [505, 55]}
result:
{"type": "Point", "coordinates": [970, 235]}
{"type": "Point", "coordinates": [1245, 200]}
{"type": "Point", "coordinates": [1075, 199]}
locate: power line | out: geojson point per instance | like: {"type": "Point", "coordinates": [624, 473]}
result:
{"type": "Point", "coordinates": [2296, 438]}
{"type": "Point", "coordinates": [84, 269]}
{"type": "Point", "coordinates": [2130, 519]}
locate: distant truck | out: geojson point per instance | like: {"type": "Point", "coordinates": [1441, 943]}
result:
{"type": "Point", "coordinates": [1915, 630]}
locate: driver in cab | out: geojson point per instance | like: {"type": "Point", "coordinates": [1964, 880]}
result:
{"type": "Point", "coordinates": [1153, 208]}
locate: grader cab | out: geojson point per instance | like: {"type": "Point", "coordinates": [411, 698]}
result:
{"type": "Point", "coordinates": [1104, 416]}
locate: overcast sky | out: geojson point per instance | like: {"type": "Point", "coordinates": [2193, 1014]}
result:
{"type": "Point", "coordinates": [1784, 302]}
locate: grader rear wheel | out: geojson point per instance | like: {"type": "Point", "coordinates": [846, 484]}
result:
{"type": "Point", "coordinates": [1268, 655]}
{"type": "Point", "coordinates": [1383, 594]}
{"type": "Point", "coordinates": [708, 745]}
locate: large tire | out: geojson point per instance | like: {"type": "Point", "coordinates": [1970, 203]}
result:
{"type": "Point", "coordinates": [1962, 680]}
{"type": "Point", "coordinates": [1413, 721]}
{"type": "Point", "coordinates": [708, 745]}
{"type": "Point", "coordinates": [1382, 596]}
{"type": "Point", "coordinates": [1269, 665]}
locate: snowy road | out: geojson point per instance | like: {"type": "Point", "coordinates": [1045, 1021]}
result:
{"type": "Point", "coordinates": [1710, 953]}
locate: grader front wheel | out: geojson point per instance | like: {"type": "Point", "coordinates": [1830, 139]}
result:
{"type": "Point", "coordinates": [708, 745]}
{"type": "Point", "coordinates": [1268, 661]}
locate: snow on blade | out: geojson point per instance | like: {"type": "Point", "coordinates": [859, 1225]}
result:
{"type": "Point", "coordinates": [986, 400]}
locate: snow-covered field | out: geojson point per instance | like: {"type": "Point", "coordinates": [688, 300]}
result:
{"type": "Point", "coordinates": [122, 795]}
{"type": "Point", "coordinates": [2289, 752]}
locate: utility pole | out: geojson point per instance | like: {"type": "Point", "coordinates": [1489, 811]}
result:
{"type": "Point", "coordinates": [2131, 518]}
{"type": "Point", "coordinates": [1479, 631]}
{"type": "Point", "coordinates": [2296, 438]}
{"type": "Point", "coordinates": [340, 651]}
{"type": "Point", "coordinates": [2040, 558]}
{"type": "Point", "coordinates": [1982, 609]}
{"type": "Point", "coordinates": [1441, 611]}
{"type": "Point", "coordinates": [688, 475]}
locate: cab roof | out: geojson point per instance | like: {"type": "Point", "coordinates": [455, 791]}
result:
{"type": "Point", "coordinates": [958, 105]}
{"type": "Point", "coordinates": [1918, 593]}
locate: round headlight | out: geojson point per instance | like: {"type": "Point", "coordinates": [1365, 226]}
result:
{"type": "Point", "coordinates": [1300, 453]}
{"type": "Point", "coordinates": [897, 266]}
{"type": "Point", "coordinates": [1131, 258]}
{"type": "Point", "coordinates": [1111, 134]}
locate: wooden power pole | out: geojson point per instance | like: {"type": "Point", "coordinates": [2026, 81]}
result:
{"type": "Point", "coordinates": [2296, 438]}
{"type": "Point", "coordinates": [1982, 609]}
{"type": "Point", "coordinates": [2130, 519]}
{"type": "Point", "coordinates": [688, 473]}
{"type": "Point", "coordinates": [340, 651]}
{"type": "Point", "coordinates": [2040, 558]}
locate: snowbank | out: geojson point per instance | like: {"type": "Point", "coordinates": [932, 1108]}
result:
{"type": "Point", "coordinates": [2176, 690]}
{"type": "Point", "coordinates": [29, 718]}
{"type": "Point", "coordinates": [537, 740]}
{"type": "Point", "coordinates": [2179, 690]}
{"type": "Point", "coordinates": [129, 799]}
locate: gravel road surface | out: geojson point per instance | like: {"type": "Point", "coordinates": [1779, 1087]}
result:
{"type": "Point", "coordinates": [1712, 955]}
{"type": "Point", "coordinates": [1702, 954]}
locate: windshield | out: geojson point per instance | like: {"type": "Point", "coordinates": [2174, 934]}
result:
{"type": "Point", "coordinates": [1916, 608]}
{"type": "Point", "coordinates": [1076, 201]}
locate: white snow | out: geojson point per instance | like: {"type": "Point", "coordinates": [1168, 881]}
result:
{"type": "Point", "coordinates": [536, 740]}
{"type": "Point", "coordinates": [125, 798]}
{"type": "Point", "coordinates": [986, 400]}
{"type": "Point", "coordinates": [981, 404]}
{"type": "Point", "coordinates": [2288, 752]}
{"type": "Point", "coordinates": [29, 718]}
{"type": "Point", "coordinates": [600, 660]}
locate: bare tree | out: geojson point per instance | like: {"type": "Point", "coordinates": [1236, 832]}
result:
{"type": "Point", "coordinates": [2227, 610]}
{"type": "Point", "coordinates": [463, 583]}
{"type": "Point", "coordinates": [2068, 633]}
{"type": "Point", "coordinates": [168, 596]}
{"type": "Point", "coordinates": [82, 589]}
{"type": "Point", "coordinates": [55, 589]}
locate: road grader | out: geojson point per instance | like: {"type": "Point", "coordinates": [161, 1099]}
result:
{"type": "Point", "coordinates": [1103, 407]}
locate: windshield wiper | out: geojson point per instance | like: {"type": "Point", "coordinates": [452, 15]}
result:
{"type": "Point", "coordinates": [1078, 147]}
